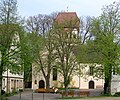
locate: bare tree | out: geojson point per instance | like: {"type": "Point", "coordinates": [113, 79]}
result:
{"type": "Point", "coordinates": [85, 25]}
{"type": "Point", "coordinates": [40, 24]}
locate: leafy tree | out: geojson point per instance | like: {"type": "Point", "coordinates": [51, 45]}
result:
{"type": "Point", "coordinates": [9, 32]}
{"type": "Point", "coordinates": [65, 41]}
{"type": "Point", "coordinates": [81, 50]}
{"type": "Point", "coordinates": [106, 32]}
{"type": "Point", "coordinates": [44, 61]}
{"type": "Point", "coordinates": [42, 25]}
{"type": "Point", "coordinates": [26, 55]}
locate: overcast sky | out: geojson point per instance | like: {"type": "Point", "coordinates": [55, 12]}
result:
{"type": "Point", "coordinates": [28, 8]}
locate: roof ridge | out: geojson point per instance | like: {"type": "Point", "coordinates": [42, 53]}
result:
{"type": "Point", "coordinates": [68, 12]}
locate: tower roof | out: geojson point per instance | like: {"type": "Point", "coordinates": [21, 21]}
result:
{"type": "Point", "coordinates": [63, 17]}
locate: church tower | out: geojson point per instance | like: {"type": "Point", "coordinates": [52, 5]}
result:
{"type": "Point", "coordinates": [69, 20]}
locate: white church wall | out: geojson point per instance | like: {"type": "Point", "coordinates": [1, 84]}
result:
{"type": "Point", "coordinates": [81, 82]}
{"type": "Point", "coordinates": [115, 84]}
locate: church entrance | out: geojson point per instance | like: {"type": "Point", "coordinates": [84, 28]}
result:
{"type": "Point", "coordinates": [41, 84]}
{"type": "Point", "coordinates": [91, 84]}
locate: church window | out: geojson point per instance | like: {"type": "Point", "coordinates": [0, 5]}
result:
{"type": "Point", "coordinates": [54, 74]}
{"type": "Point", "coordinates": [91, 70]}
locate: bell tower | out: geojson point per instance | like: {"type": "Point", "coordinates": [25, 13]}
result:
{"type": "Point", "coordinates": [69, 20]}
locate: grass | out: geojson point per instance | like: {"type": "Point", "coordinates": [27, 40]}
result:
{"type": "Point", "coordinates": [4, 96]}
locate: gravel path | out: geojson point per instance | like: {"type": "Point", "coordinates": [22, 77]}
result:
{"type": "Point", "coordinates": [27, 95]}
{"type": "Point", "coordinates": [36, 96]}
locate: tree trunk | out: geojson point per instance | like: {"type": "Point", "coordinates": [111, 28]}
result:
{"type": "Point", "coordinates": [47, 83]}
{"type": "Point", "coordinates": [0, 84]}
{"type": "Point", "coordinates": [1, 71]}
{"type": "Point", "coordinates": [107, 85]}
{"type": "Point", "coordinates": [66, 90]}
{"type": "Point", "coordinates": [66, 82]}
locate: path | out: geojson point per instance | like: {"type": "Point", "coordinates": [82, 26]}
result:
{"type": "Point", "coordinates": [27, 95]}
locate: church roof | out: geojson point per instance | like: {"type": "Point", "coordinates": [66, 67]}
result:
{"type": "Point", "coordinates": [63, 17]}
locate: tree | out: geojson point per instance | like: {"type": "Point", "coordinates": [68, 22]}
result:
{"type": "Point", "coordinates": [9, 31]}
{"type": "Point", "coordinates": [39, 24]}
{"type": "Point", "coordinates": [26, 55]}
{"type": "Point", "coordinates": [42, 25]}
{"type": "Point", "coordinates": [8, 11]}
{"type": "Point", "coordinates": [65, 41]}
{"type": "Point", "coordinates": [105, 30]}
{"type": "Point", "coordinates": [45, 59]}
{"type": "Point", "coordinates": [85, 25]}
{"type": "Point", "coordinates": [81, 50]}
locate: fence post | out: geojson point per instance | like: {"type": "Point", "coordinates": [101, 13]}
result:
{"type": "Point", "coordinates": [32, 94]}
{"type": "Point", "coordinates": [43, 96]}
{"type": "Point", "coordinates": [20, 95]}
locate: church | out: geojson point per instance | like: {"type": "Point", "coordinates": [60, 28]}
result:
{"type": "Point", "coordinates": [86, 81]}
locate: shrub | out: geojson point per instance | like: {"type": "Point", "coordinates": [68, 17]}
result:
{"type": "Point", "coordinates": [117, 94]}
{"type": "Point", "coordinates": [20, 90]}
{"type": "Point", "coordinates": [7, 94]}
{"type": "Point", "coordinates": [2, 92]}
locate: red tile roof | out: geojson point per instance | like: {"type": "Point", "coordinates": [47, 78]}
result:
{"type": "Point", "coordinates": [67, 16]}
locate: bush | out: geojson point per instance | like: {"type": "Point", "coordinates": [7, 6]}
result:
{"type": "Point", "coordinates": [2, 92]}
{"type": "Point", "coordinates": [4, 98]}
{"type": "Point", "coordinates": [20, 90]}
{"type": "Point", "coordinates": [117, 94]}
{"type": "Point", "coordinates": [7, 94]}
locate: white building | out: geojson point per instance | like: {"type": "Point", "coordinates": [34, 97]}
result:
{"type": "Point", "coordinates": [87, 81]}
{"type": "Point", "coordinates": [12, 82]}
{"type": "Point", "coordinates": [115, 84]}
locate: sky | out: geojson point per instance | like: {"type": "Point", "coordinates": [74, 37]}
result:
{"type": "Point", "coordinates": [28, 8]}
